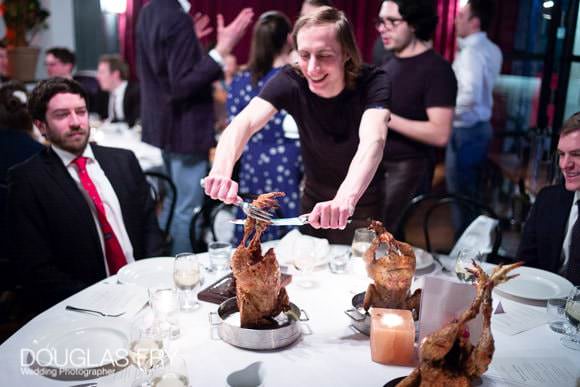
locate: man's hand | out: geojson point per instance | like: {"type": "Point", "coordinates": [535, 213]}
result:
{"type": "Point", "coordinates": [331, 214]}
{"type": "Point", "coordinates": [221, 188]}
{"type": "Point", "coordinates": [228, 36]}
{"type": "Point", "coordinates": [202, 27]}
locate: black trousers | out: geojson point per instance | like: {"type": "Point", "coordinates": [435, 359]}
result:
{"type": "Point", "coordinates": [404, 179]}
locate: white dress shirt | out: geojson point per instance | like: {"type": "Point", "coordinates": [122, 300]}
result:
{"type": "Point", "coordinates": [477, 66]}
{"type": "Point", "coordinates": [116, 102]}
{"type": "Point", "coordinates": [108, 197]}
{"type": "Point", "coordinates": [568, 238]}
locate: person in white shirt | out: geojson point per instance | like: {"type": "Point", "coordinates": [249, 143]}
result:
{"type": "Point", "coordinates": [551, 235]}
{"type": "Point", "coordinates": [477, 65]}
{"type": "Point", "coordinates": [77, 212]}
{"type": "Point", "coordinates": [123, 103]}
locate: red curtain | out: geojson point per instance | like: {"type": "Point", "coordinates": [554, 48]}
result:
{"type": "Point", "coordinates": [360, 13]}
{"type": "Point", "coordinates": [127, 31]}
{"type": "Point", "coordinates": [444, 40]}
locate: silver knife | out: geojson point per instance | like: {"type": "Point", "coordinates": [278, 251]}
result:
{"type": "Point", "coordinates": [297, 221]}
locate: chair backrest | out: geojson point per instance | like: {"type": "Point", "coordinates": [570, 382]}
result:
{"type": "Point", "coordinates": [206, 222]}
{"type": "Point", "coordinates": [159, 184]}
{"type": "Point", "coordinates": [423, 208]}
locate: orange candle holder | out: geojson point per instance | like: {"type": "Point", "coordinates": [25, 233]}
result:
{"type": "Point", "coordinates": [392, 336]}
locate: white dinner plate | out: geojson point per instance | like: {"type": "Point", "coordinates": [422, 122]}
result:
{"type": "Point", "coordinates": [423, 258]}
{"type": "Point", "coordinates": [322, 259]}
{"type": "Point", "coordinates": [535, 284]}
{"type": "Point", "coordinates": [151, 273]}
{"type": "Point", "coordinates": [81, 344]}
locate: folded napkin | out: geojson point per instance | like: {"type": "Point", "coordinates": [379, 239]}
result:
{"type": "Point", "coordinates": [478, 236]}
{"type": "Point", "coordinates": [296, 245]}
{"type": "Point", "coordinates": [111, 299]}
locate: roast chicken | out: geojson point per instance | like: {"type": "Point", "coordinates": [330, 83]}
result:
{"type": "Point", "coordinates": [392, 274]}
{"type": "Point", "coordinates": [447, 357]}
{"type": "Point", "coordinates": [259, 291]}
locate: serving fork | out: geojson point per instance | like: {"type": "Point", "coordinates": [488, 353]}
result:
{"type": "Point", "coordinates": [91, 311]}
{"type": "Point", "coordinates": [249, 209]}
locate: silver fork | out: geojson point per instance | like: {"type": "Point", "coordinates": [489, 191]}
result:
{"type": "Point", "coordinates": [81, 310]}
{"type": "Point", "coordinates": [250, 210]}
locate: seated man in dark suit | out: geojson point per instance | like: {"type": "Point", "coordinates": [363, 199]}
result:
{"type": "Point", "coordinates": [77, 212]}
{"type": "Point", "coordinates": [122, 103]}
{"type": "Point", "coordinates": [551, 237]}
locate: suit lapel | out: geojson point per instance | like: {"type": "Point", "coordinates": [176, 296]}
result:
{"type": "Point", "coordinates": [559, 219]}
{"type": "Point", "coordinates": [75, 198]}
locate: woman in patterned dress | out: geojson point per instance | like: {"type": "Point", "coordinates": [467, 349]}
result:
{"type": "Point", "coordinates": [271, 160]}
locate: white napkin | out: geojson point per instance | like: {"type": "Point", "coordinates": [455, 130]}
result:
{"type": "Point", "coordinates": [111, 299]}
{"type": "Point", "coordinates": [296, 245]}
{"type": "Point", "coordinates": [478, 236]}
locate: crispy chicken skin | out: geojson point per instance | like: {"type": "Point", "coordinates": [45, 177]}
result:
{"type": "Point", "coordinates": [392, 273]}
{"type": "Point", "coordinates": [259, 291]}
{"type": "Point", "coordinates": [447, 356]}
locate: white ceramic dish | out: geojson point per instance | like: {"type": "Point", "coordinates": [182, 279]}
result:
{"type": "Point", "coordinates": [151, 273]}
{"type": "Point", "coordinates": [81, 344]}
{"type": "Point", "coordinates": [423, 258]}
{"type": "Point", "coordinates": [535, 284]}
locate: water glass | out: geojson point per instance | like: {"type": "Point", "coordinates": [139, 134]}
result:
{"type": "Point", "coordinates": [188, 278]}
{"type": "Point", "coordinates": [174, 373]}
{"type": "Point", "coordinates": [304, 265]}
{"type": "Point", "coordinates": [165, 305]}
{"type": "Point", "coordinates": [219, 255]}
{"type": "Point", "coordinates": [339, 263]}
{"type": "Point", "coordinates": [555, 308]}
{"type": "Point", "coordinates": [361, 241]}
{"type": "Point", "coordinates": [146, 347]}
{"type": "Point", "coordinates": [465, 259]}
{"type": "Point", "coordinates": [572, 312]}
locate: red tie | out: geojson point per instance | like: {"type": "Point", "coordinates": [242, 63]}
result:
{"type": "Point", "coordinates": [113, 251]}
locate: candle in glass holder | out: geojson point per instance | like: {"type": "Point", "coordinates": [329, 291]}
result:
{"type": "Point", "coordinates": [392, 336]}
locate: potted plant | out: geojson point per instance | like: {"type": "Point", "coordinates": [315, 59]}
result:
{"type": "Point", "coordinates": [23, 18]}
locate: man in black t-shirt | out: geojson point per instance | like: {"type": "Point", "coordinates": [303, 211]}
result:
{"type": "Point", "coordinates": [424, 92]}
{"type": "Point", "coordinates": [341, 109]}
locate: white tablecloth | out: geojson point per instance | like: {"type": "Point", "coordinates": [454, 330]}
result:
{"type": "Point", "coordinates": [330, 353]}
{"type": "Point", "coordinates": [119, 136]}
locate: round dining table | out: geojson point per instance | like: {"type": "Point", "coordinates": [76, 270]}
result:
{"type": "Point", "coordinates": [330, 351]}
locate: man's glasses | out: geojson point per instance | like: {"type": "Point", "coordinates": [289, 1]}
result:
{"type": "Point", "coordinates": [388, 22]}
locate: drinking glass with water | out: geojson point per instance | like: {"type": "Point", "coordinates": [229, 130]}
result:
{"type": "Point", "coordinates": [219, 255]}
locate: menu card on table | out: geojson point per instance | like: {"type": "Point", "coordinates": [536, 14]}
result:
{"type": "Point", "coordinates": [517, 318]}
{"type": "Point", "coordinates": [442, 301]}
{"type": "Point", "coordinates": [533, 372]}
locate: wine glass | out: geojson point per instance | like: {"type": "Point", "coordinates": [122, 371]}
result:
{"type": "Point", "coordinates": [188, 278]}
{"type": "Point", "coordinates": [572, 312]}
{"type": "Point", "coordinates": [146, 346]}
{"type": "Point", "coordinates": [361, 241]}
{"type": "Point", "coordinates": [174, 373]}
{"type": "Point", "coordinates": [465, 258]}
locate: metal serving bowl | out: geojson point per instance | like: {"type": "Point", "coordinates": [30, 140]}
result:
{"type": "Point", "coordinates": [284, 330]}
{"type": "Point", "coordinates": [361, 320]}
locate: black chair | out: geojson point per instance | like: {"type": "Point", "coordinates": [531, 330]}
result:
{"type": "Point", "coordinates": [159, 183]}
{"type": "Point", "coordinates": [423, 209]}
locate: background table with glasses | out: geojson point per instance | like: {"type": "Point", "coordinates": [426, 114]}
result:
{"type": "Point", "coordinates": [330, 353]}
